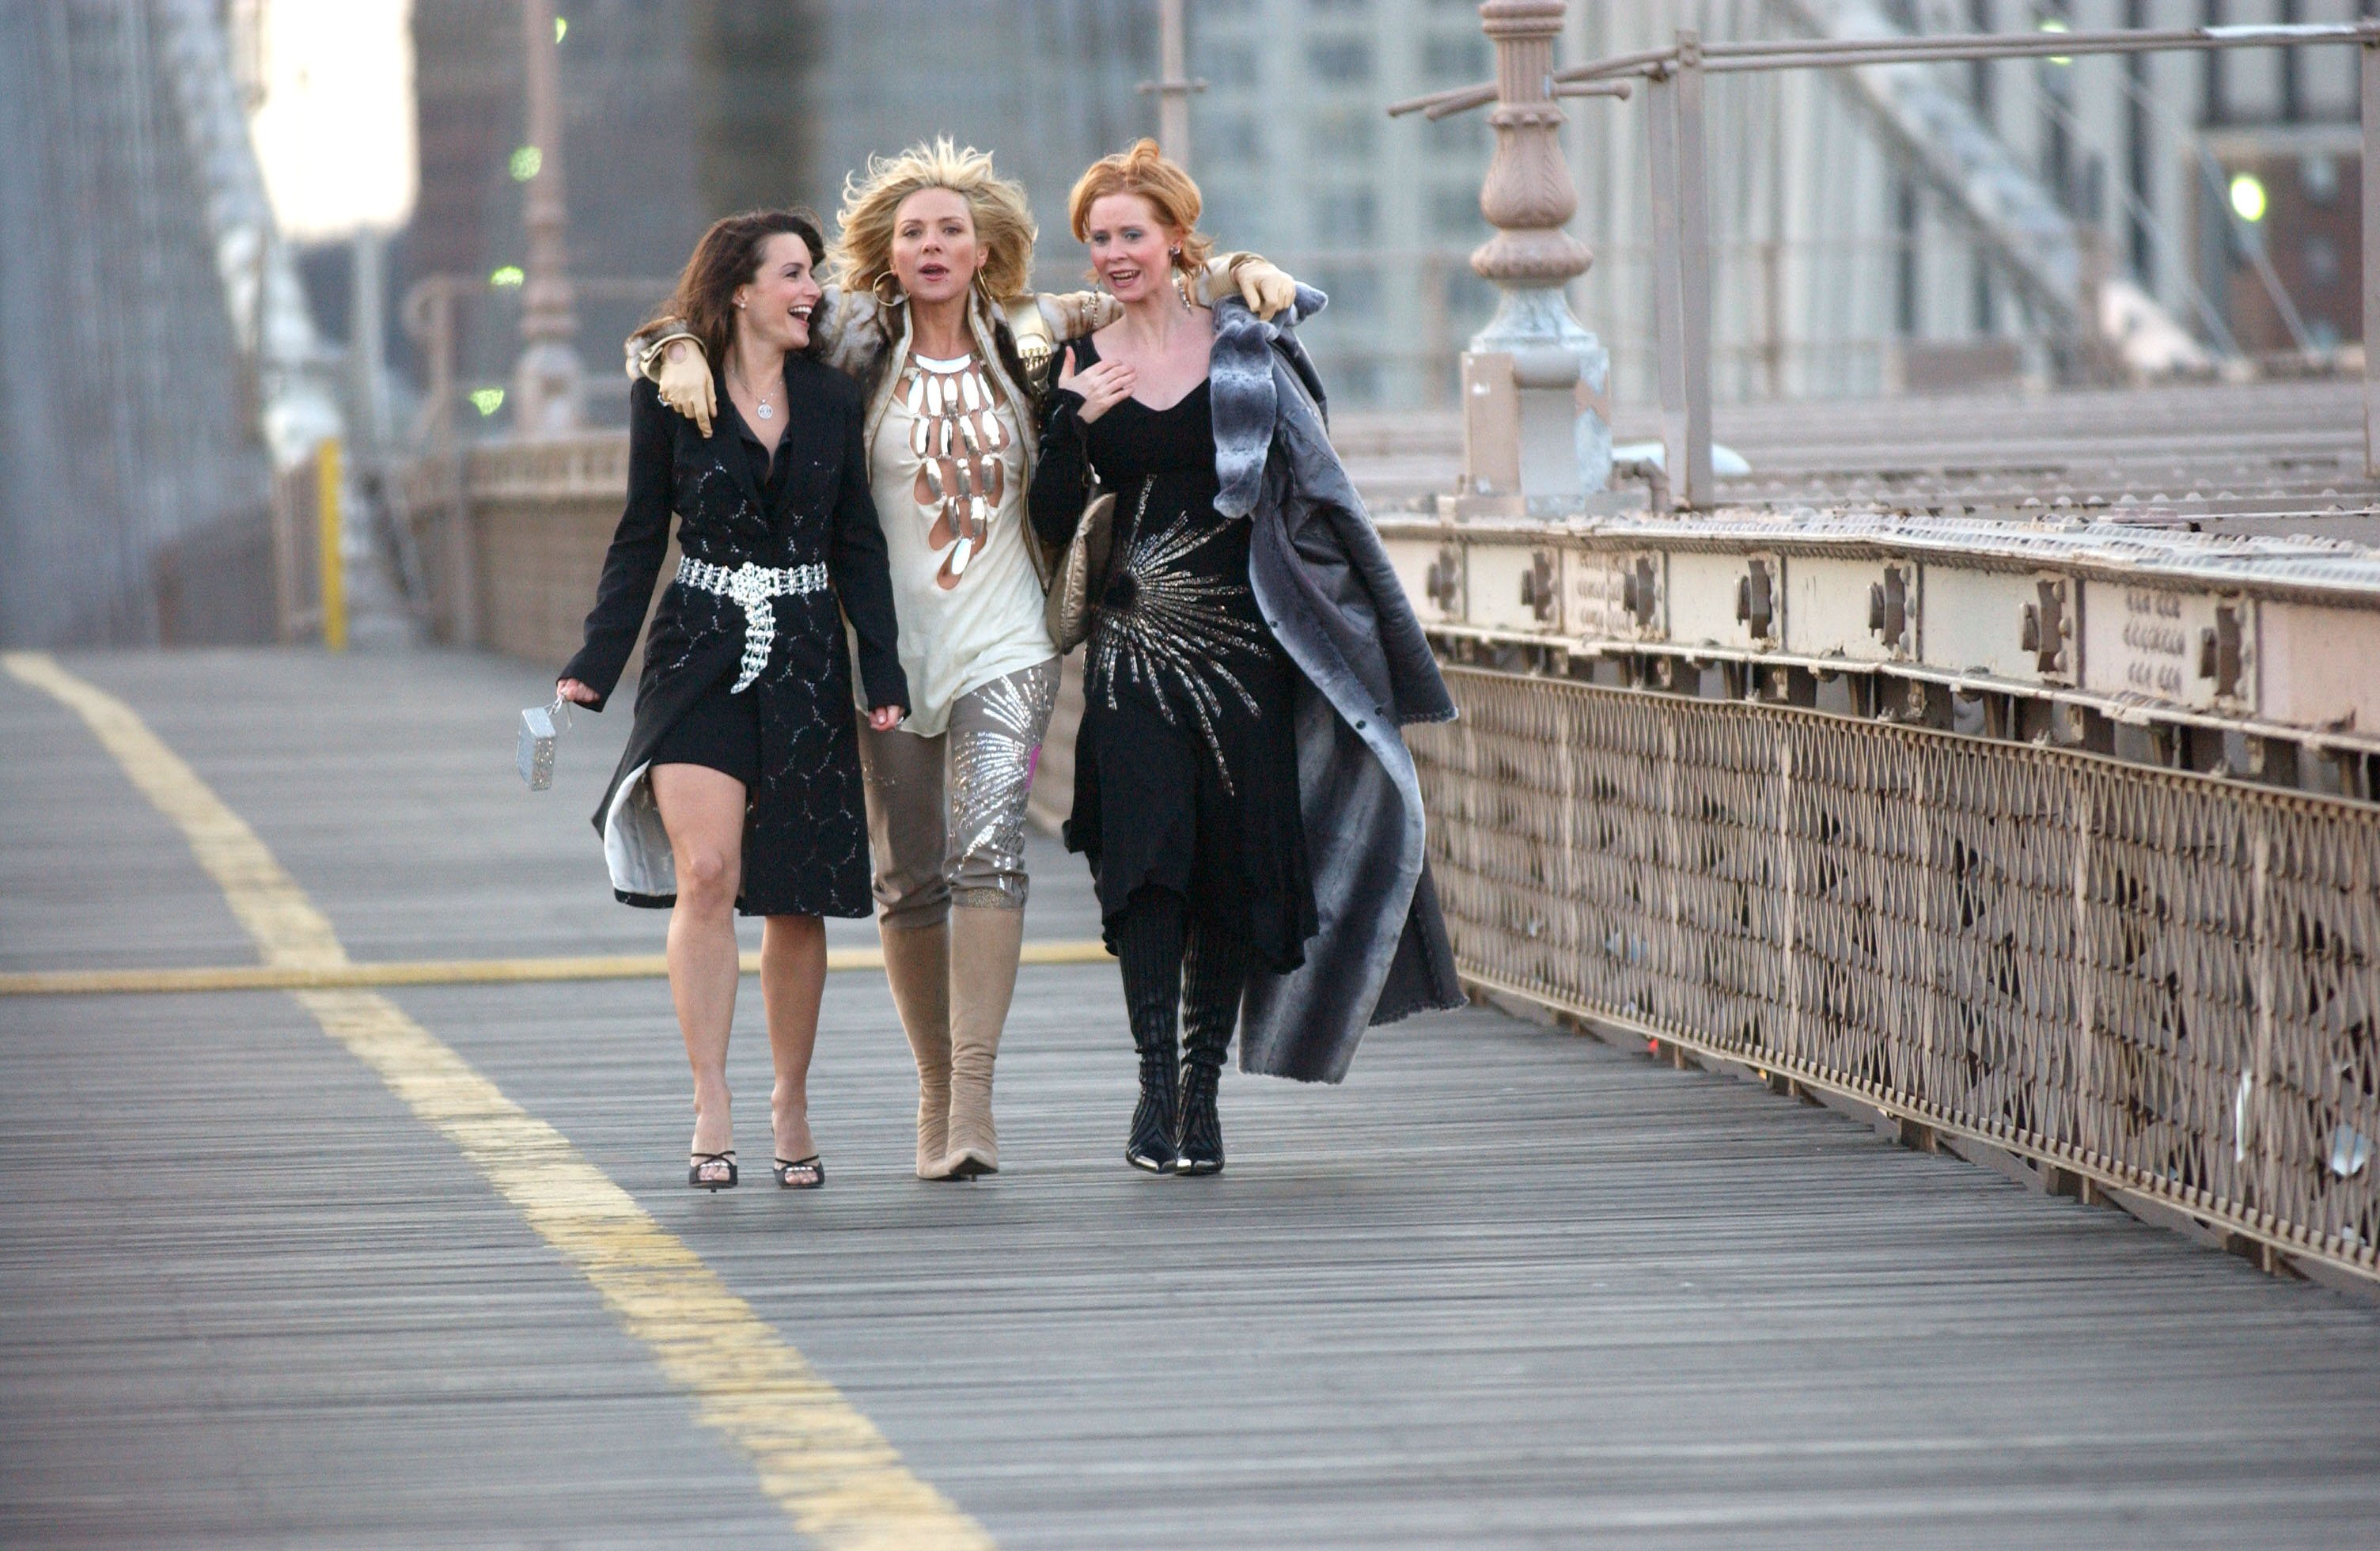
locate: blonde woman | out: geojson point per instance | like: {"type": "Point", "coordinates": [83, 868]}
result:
{"type": "Point", "coordinates": [930, 310]}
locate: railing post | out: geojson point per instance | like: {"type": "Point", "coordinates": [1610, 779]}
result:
{"type": "Point", "coordinates": [2369, 53]}
{"type": "Point", "coordinates": [1532, 441]}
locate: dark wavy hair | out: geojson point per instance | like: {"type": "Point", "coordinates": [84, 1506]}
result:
{"type": "Point", "coordinates": [729, 256]}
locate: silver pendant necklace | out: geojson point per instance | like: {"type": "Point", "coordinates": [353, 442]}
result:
{"type": "Point", "coordinates": [758, 402]}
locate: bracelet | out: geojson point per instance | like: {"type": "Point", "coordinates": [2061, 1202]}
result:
{"type": "Point", "coordinates": [652, 352]}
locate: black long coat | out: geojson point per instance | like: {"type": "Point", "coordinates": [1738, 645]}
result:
{"type": "Point", "coordinates": [805, 831]}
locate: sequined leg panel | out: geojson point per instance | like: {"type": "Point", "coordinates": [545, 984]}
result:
{"type": "Point", "coordinates": [995, 735]}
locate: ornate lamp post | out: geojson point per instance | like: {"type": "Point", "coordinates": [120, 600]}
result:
{"type": "Point", "coordinates": [1535, 437]}
{"type": "Point", "coordinates": [546, 381]}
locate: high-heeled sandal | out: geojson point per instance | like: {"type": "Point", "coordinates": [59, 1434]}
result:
{"type": "Point", "coordinates": [704, 1160]}
{"type": "Point", "coordinates": [813, 1173]}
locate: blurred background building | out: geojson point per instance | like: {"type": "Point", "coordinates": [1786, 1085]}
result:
{"type": "Point", "coordinates": [181, 330]}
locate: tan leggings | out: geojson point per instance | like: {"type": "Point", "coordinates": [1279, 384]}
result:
{"type": "Point", "coordinates": [946, 814]}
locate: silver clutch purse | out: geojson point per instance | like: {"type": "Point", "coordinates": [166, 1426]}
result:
{"type": "Point", "coordinates": [538, 731]}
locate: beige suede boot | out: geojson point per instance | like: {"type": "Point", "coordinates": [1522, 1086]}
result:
{"type": "Point", "coordinates": [984, 945]}
{"type": "Point", "coordinates": [918, 963]}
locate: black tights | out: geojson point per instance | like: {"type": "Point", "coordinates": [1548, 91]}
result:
{"type": "Point", "coordinates": [1184, 963]}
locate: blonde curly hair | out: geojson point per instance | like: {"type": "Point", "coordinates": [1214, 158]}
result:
{"type": "Point", "coordinates": [862, 253]}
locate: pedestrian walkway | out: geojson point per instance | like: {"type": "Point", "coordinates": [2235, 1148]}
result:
{"type": "Point", "coordinates": [414, 1264]}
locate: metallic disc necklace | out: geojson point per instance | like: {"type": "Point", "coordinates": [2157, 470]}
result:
{"type": "Point", "coordinates": [956, 434]}
{"type": "Point", "coordinates": [759, 400]}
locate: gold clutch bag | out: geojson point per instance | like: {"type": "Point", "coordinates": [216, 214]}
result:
{"type": "Point", "coordinates": [1068, 610]}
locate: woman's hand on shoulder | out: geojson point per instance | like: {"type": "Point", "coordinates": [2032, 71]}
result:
{"type": "Point", "coordinates": [1101, 387]}
{"type": "Point", "coordinates": [686, 385]}
{"type": "Point", "coordinates": [1076, 313]}
{"type": "Point", "coordinates": [1266, 287]}
{"type": "Point", "coordinates": [885, 718]}
{"type": "Point", "coordinates": [575, 692]}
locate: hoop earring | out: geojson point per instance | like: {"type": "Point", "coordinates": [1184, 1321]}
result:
{"type": "Point", "coordinates": [983, 292]}
{"type": "Point", "coordinates": [876, 288]}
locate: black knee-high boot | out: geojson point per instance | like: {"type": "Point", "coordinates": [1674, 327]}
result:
{"type": "Point", "coordinates": [1149, 941]}
{"type": "Point", "coordinates": [1214, 972]}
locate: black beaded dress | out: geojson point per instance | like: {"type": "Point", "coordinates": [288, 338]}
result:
{"type": "Point", "coordinates": [807, 511]}
{"type": "Point", "coordinates": [1185, 767]}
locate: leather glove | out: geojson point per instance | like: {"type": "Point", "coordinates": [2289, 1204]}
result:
{"type": "Point", "coordinates": [1076, 313]}
{"type": "Point", "coordinates": [1266, 287]}
{"type": "Point", "coordinates": [685, 382]}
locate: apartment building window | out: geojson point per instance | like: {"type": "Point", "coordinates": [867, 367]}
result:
{"type": "Point", "coordinates": [1232, 136]}
{"type": "Point", "coordinates": [1228, 65]}
{"type": "Point", "coordinates": [1237, 220]}
{"type": "Point", "coordinates": [1454, 59]}
{"type": "Point", "coordinates": [1454, 211]}
{"type": "Point", "coordinates": [1341, 61]}
{"type": "Point", "coordinates": [1342, 217]}
{"type": "Point", "coordinates": [1351, 130]}
{"type": "Point", "coordinates": [1466, 135]}
{"type": "Point", "coordinates": [1354, 291]}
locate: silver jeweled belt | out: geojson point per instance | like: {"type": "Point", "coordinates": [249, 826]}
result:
{"type": "Point", "coordinates": [751, 586]}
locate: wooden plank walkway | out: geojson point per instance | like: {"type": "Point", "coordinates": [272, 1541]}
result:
{"type": "Point", "coordinates": [1506, 1288]}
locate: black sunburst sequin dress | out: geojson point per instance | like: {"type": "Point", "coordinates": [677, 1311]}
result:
{"type": "Point", "coordinates": [1185, 767]}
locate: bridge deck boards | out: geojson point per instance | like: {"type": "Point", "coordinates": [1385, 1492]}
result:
{"type": "Point", "coordinates": [1506, 1288]}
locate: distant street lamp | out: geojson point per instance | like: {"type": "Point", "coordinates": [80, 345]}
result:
{"type": "Point", "coordinates": [547, 381]}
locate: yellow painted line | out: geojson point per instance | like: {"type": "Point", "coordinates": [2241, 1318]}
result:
{"type": "Point", "coordinates": [836, 1476]}
{"type": "Point", "coordinates": [438, 972]}
{"type": "Point", "coordinates": [264, 898]}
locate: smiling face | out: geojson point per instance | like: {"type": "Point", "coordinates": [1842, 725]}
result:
{"type": "Point", "coordinates": [935, 254]}
{"type": "Point", "coordinates": [1131, 247]}
{"type": "Point", "coordinates": [775, 305]}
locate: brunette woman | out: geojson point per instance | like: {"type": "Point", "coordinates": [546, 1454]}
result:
{"type": "Point", "coordinates": [1249, 811]}
{"type": "Point", "coordinates": [933, 261]}
{"type": "Point", "coordinates": [740, 787]}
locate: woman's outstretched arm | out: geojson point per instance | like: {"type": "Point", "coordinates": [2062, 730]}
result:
{"type": "Point", "coordinates": [627, 590]}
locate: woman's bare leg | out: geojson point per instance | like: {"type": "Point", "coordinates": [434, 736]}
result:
{"type": "Point", "coordinates": [703, 811]}
{"type": "Point", "coordinates": [792, 978]}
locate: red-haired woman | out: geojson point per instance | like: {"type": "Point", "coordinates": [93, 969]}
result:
{"type": "Point", "coordinates": [740, 787]}
{"type": "Point", "coordinates": [1252, 818]}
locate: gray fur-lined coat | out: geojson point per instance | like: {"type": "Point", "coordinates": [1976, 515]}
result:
{"type": "Point", "coordinates": [1365, 671]}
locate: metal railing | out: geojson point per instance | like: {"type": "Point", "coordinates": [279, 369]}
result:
{"type": "Point", "coordinates": [2161, 984]}
{"type": "Point", "coordinates": [1675, 77]}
